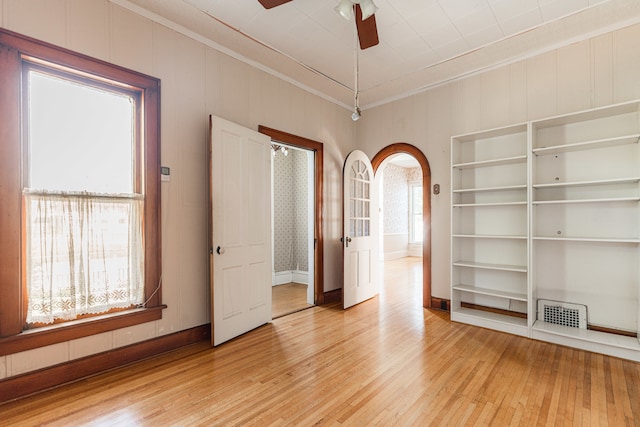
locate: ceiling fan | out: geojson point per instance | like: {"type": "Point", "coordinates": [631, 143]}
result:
{"type": "Point", "coordinates": [365, 20]}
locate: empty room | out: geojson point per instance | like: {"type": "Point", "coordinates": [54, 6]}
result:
{"type": "Point", "coordinates": [305, 212]}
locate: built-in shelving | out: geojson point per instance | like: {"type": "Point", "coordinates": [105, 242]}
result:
{"type": "Point", "coordinates": [489, 202]}
{"type": "Point", "coordinates": [550, 209]}
{"type": "Point", "coordinates": [479, 190]}
{"type": "Point", "coordinates": [487, 266]}
{"type": "Point", "coordinates": [487, 319]}
{"type": "Point", "coordinates": [461, 205]}
{"type": "Point", "coordinates": [587, 239]}
{"type": "Point", "coordinates": [587, 145]}
{"type": "Point", "coordinates": [568, 201]}
{"type": "Point", "coordinates": [491, 292]}
{"type": "Point", "coordinates": [493, 162]}
{"type": "Point", "coordinates": [630, 180]}
{"type": "Point", "coordinates": [489, 236]}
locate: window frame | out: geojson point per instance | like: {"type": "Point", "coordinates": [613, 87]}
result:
{"type": "Point", "coordinates": [413, 213]}
{"type": "Point", "coordinates": [15, 49]}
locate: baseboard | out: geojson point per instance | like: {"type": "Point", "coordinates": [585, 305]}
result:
{"type": "Point", "coordinates": [415, 250]}
{"type": "Point", "coordinates": [388, 256]}
{"type": "Point", "coordinates": [333, 296]}
{"type": "Point", "coordinates": [284, 277]}
{"type": "Point", "coordinates": [494, 310]}
{"type": "Point", "coordinates": [33, 382]}
{"type": "Point", "coordinates": [442, 304]}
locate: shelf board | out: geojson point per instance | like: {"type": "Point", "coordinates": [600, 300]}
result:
{"type": "Point", "coordinates": [513, 130]}
{"type": "Point", "coordinates": [587, 145]}
{"type": "Point", "coordinates": [631, 180]}
{"type": "Point", "coordinates": [486, 319]}
{"type": "Point", "coordinates": [490, 189]}
{"type": "Point", "coordinates": [621, 341]}
{"type": "Point", "coordinates": [490, 236]}
{"type": "Point", "coordinates": [486, 266]}
{"type": "Point", "coordinates": [590, 239]}
{"type": "Point", "coordinates": [474, 205]}
{"type": "Point", "coordinates": [493, 162]}
{"type": "Point", "coordinates": [603, 200]}
{"type": "Point", "coordinates": [491, 292]}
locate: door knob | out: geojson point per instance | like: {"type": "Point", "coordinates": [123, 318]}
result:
{"type": "Point", "coordinates": [220, 250]}
{"type": "Point", "coordinates": [348, 239]}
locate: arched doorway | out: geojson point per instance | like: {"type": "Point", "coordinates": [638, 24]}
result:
{"type": "Point", "coordinates": [377, 160]}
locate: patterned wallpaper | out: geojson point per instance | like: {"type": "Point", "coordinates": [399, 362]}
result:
{"type": "Point", "coordinates": [396, 197]}
{"type": "Point", "coordinates": [414, 174]}
{"type": "Point", "coordinates": [290, 211]}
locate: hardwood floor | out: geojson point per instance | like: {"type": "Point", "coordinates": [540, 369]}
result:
{"type": "Point", "coordinates": [384, 362]}
{"type": "Point", "coordinates": [288, 298]}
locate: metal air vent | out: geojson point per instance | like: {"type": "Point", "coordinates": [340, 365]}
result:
{"type": "Point", "coordinates": [563, 313]}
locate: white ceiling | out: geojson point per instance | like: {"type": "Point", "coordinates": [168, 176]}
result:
{"type": "Point", "coordinates": [403, 160]}
{"type": "Point", "coordinates": [423, 43]}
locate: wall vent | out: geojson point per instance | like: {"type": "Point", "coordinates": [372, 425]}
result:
{"type": "Point", "coordinates": [563, 313]}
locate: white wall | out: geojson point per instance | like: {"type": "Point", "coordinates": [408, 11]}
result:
{"type": "Point", "coordinates": [196, 81]}
{"type": "Point", "coordinates": [592, 73]}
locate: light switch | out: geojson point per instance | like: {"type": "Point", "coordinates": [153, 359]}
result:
{"type": "Point", "coordinates": [165, 174]}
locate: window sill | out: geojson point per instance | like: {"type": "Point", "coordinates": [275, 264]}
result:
{"type": "Point", "coordinates": [41, 337]}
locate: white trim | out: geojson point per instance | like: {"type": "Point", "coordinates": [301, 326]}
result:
{"type": "Point", "coordinates": [284, 277]}
{"type": "Point", "coordinates": [233, 54]}
{"type": "Point", "coordinates": [415, 249]}
{"type": "Point", "coordinates": [388, 256]}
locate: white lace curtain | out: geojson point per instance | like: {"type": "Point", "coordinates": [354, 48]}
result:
{"type": "Point", "coordinates": [84, 254]}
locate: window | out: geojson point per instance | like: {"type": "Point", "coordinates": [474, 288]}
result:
{"type": "Point", "coordinates": [359, 200]}
{"type": "Point", "coordinates": [81, 217]}
{"type": "Point", "coordinates": [415, 213]}
{"type": "Point", "coordinates": [82, 206]}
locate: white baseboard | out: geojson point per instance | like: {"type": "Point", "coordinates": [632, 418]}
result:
{"type": "Point", "coordinates": [388, 256]}
{"type": "Point", "coordinates": [283, 277]}
{"type": "Point", "coordinates": [415, 250]}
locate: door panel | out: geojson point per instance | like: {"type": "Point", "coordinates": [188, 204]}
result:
{"type": "Point", "coordinates": [241, 232]}
{"type": "Point", "coordinates": [361, 279]}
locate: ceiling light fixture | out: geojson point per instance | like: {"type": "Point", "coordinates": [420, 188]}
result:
{"type": "Point", "coordinates": [356, 114]}
{"type": "Point", "coordinates": [356, 68]}
{"type": "Point", "coordinates": [345, 8]}
{"type": "Point", "coordinates": [368, 8]}
{"type": "Point", "coordinates": [275, 148]}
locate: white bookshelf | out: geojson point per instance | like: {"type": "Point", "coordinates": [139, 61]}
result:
{"type": "Point", "coordinates": [550, 209]}
{"type": "Point", "coordinates": [585, 222]}
{"type": "Point", "coordinates": [489, 228]}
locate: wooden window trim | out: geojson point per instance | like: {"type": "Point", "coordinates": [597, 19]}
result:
{"type": "Point", "coordinates": [14, 49]}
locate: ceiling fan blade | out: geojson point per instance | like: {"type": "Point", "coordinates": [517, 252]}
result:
{"type": "Point", "coordinates": [367, 29]}
{"type": "Point", "coordinates": [268, 4]}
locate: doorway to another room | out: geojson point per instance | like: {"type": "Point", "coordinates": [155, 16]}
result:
{"type": "Point", "coordinates": [378, 162]}
{"type": "Point", "coordinates": [292, 205]}
{"type": "Point", "coordinates": [401, 217]}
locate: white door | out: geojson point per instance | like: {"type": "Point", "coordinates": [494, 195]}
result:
{"type": "Point", "coordinates": [241, 229]}
{"type": "Point", "coordinates": [360, 241]}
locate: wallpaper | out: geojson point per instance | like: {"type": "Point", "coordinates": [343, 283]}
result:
{"type": "Point", "coordinates": [396, 197]}
{"type": "Point", "coordinates": [290, 178]}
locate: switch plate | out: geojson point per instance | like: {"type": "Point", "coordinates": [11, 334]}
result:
{"type": "Point", "coordinates": [165, 174]}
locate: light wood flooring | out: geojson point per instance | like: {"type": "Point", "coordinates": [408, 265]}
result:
{"type": "Point", "coordinates": [384, 362]}
{"type": "Point", "coordinates": [288, 298]}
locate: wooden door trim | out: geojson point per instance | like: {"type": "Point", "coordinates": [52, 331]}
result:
{"type": "Point", "coordinates": [317, 148]}
{"type": "Point", "coordinates": [405, 148]}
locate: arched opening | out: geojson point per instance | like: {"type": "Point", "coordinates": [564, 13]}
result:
{"type": "Point", "coordinates": [377, 160]}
